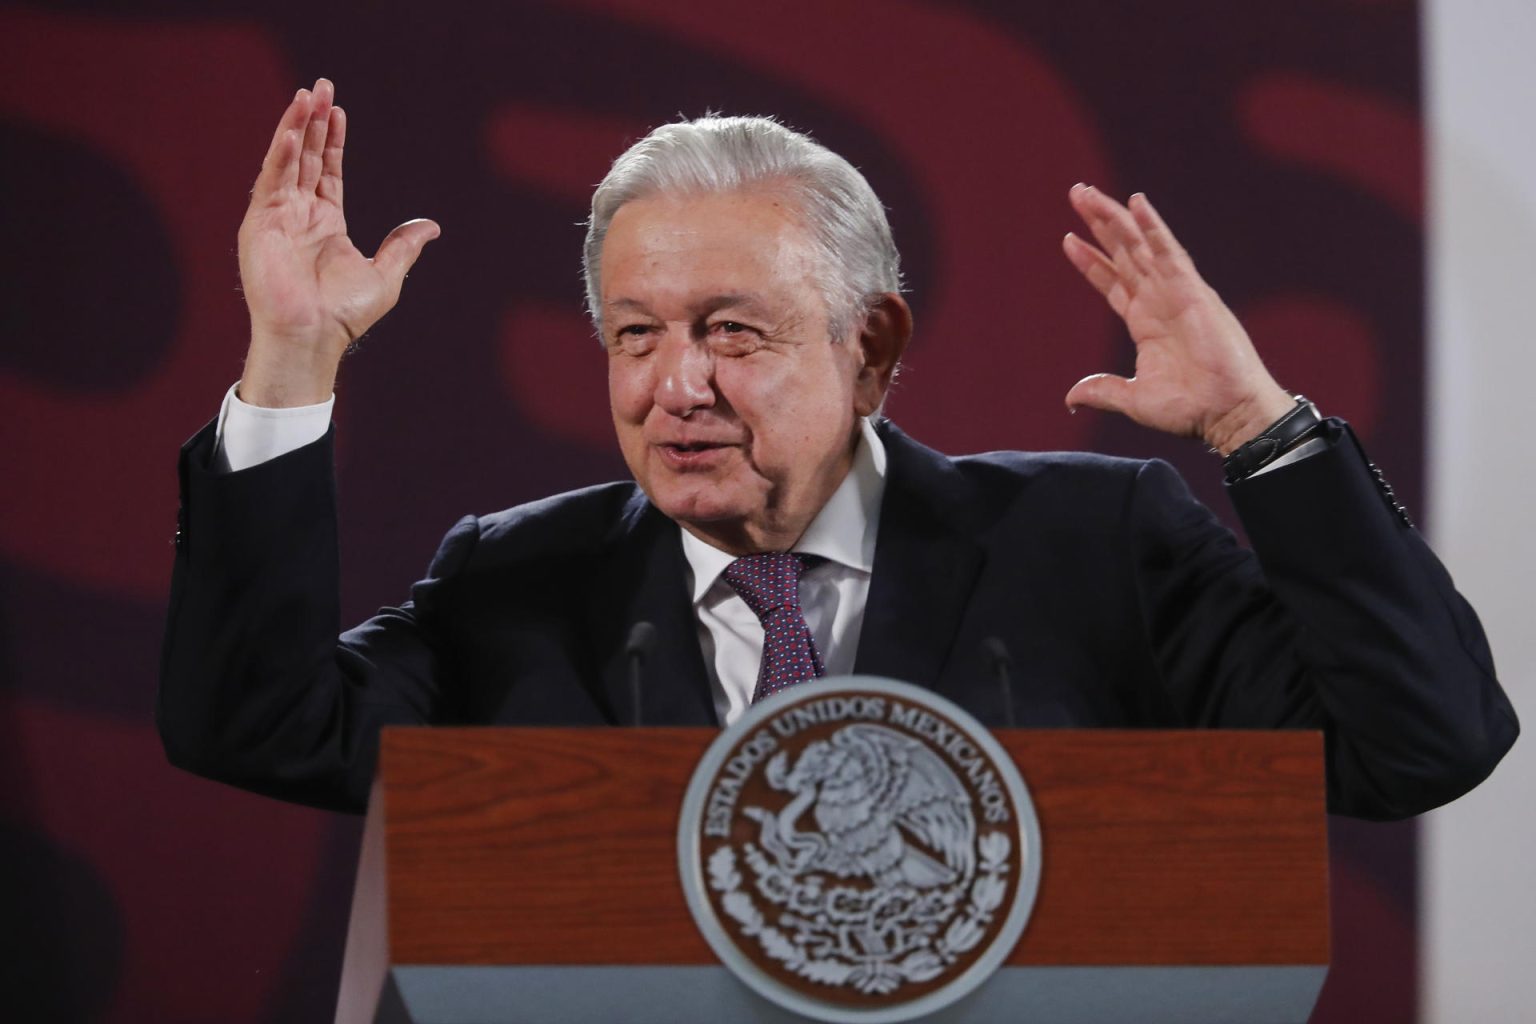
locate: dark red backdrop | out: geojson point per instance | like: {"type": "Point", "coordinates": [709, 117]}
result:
{"type": "Point", "coordinates": [1281, 140]}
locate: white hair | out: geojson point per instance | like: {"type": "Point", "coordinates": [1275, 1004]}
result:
{"type": "Point", "coordinates": [711, 154]}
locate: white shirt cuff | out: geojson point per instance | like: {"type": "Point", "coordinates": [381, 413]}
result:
{"type": "Point", "coordinates": [248, 435]}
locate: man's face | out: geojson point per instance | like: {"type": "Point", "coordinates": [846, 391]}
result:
{"type": "Point", "coordinates": [735, 409]}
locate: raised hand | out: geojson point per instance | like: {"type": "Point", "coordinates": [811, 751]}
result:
{"type": "Point", "coordinates": [309, 290]}
{"type": "Point", "coordinates": [1197, 373]}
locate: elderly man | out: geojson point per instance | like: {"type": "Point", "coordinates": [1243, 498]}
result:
{"type": "Point", "coordinates": [744, 284]}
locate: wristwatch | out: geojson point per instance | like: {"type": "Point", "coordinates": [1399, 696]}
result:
{"type": "Point", "coordinates": [1278, 438]}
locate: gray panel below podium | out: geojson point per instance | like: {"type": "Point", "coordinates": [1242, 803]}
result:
{"type": "Point", "coordinates": [711, 995]}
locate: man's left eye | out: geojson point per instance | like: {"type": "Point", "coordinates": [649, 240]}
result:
{"type": "Point", "coordinates": [734, 338]}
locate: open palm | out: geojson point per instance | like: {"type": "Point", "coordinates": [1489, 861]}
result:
{"type": "Point", "coordinates": [1197, 373]}
{"type": "Point", "coordinates": [309, 290]}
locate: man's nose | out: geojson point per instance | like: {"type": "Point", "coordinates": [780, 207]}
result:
{"type": "Point", "coordinates": [687, 378]}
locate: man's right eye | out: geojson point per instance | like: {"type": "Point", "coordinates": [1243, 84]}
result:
{"type": "Point", "coordinates": [634, 339]}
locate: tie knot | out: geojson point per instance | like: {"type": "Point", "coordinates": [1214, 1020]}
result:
{"type": "Point", "coordinates": [769, 581]}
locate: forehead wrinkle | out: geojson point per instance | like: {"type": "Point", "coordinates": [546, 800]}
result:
{"type": "Point", "coordinates": [751, 305]}
{"type": "Point", "coordinates": [624, 306]}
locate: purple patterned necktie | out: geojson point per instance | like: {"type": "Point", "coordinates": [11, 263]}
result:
{"type": "Point", "coordinates": [770, 584]}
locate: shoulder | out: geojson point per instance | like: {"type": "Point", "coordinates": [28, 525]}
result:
{"type": "Point", "coordinates": [1069, 483]}
{"type": "Point", "coordinates": [561, 528]}
{"type": "Point", "coordinates": [1083, 492]}
{"type": "Point", "coordinates": [581, 517]}
{"type": "Point", "coordinates": [1005, 469]}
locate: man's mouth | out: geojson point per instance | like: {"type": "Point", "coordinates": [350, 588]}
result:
{"type": "Point", "coordinates": [693, 455]}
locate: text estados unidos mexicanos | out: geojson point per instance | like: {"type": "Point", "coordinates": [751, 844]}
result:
{"type": "Point", "coordinates": [962, 753]}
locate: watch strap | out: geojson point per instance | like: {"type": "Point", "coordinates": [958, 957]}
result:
{"type": "Point", "coordinates": [1276, 439]}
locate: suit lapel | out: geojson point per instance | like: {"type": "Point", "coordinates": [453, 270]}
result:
{"type": "Point", "coordinates": [926, 564]}
{"type": "Point", "coordinates": [643, 580]}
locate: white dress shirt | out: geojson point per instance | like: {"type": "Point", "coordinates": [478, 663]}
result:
{"type": "Point", "coordinates": [832, 595]}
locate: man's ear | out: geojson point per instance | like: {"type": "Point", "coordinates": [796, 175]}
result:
{"type": "Point", "coordinates": [882, 341]}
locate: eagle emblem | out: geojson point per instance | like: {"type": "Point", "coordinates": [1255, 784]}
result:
{"type": "Point", "coordinates": [884, 807]}
{"type": "Point", "coordinates": [860, 847]}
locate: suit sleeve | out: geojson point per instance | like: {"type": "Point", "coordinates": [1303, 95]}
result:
{"type": "Point", "coordinates": [255, 687]}
{"type": "Point", "coordinates": [1347, 622]}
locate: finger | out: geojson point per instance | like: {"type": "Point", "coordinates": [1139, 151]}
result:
{"type": "Point", "coordinates": [1097, 211]}
{"type": "Point", "coordinates": [401, 247]}
{"type": "Point", "coordinates": [279, 168]}
{"type": "Point", "coordinates": [330, 166]}
{"type": "Point", "coordinates": [311, 158]}
{"type": "Point", "coordinates": [1098, 270]}
{"type": "Point", "coordinates": [1158, 236]}
{"type": "Point", "coordinates": [1100, 391]}
{"type": "Point", "coordinates": [1114, 228]}
{"type": "Point", "coordinates": [1126, 243]}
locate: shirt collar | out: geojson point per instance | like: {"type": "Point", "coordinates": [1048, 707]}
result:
{"type": "Point", "coordinates": [844, 531]}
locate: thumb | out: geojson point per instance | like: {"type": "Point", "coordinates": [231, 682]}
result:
{"type": "Point", "coordinates": [400, 248]}
{"type": "Point", "coordinates": [1104, 391]}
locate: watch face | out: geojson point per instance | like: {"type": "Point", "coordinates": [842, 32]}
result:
{"type": "Point", "coordinates": [859, 850]}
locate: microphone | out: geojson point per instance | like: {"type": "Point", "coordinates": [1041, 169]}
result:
{"type": "Point", "coordinates": [1001, 664]}
{"type": "Point", "coordinates": [642, 637]}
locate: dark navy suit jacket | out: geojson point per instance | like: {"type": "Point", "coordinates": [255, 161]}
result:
{"type": "Point", "coordinates": [1122, 601]}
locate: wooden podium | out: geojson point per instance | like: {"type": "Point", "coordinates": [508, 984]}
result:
{"type": "Point", "coordinates": [530, 874]}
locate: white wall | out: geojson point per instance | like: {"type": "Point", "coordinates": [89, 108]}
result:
{"type": "Point", "coordinates": [1479, 881]}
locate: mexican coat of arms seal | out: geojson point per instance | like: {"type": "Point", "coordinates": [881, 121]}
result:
{"type": "Point", "coordinates": [859, 850]}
